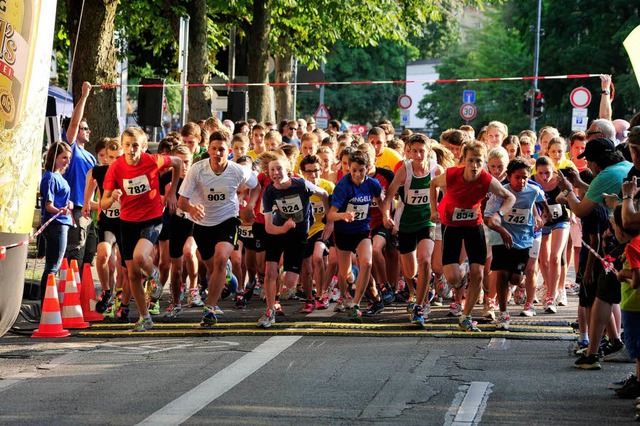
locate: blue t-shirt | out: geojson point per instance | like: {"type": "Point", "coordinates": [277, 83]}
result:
{"type": "Point", "coordinates": [519, 222]}
{"type": "Point", "coordinates": [347, 196]}
{"type": "Point", "coordinates": [608, 181]}
{"type": "Point", "coordinates": [291, 203]}
{"type": "Point", "coordinates": [53, 187]}
{"type": "Point", "coordinates": [81, 162]}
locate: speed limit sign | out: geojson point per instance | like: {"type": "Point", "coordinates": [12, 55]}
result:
{"type": "Point", "coordinates": [468, 111]}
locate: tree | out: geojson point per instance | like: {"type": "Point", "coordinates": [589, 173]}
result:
{"type": "Point", "coordinates": [258, 60]}
{"type": "Point", "coordinates": [95, 61]}
{"type": "Point", "coordinates": [494, 100]}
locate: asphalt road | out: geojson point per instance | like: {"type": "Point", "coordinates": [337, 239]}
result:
{"type": "Point", "coordinates": [308, 369]}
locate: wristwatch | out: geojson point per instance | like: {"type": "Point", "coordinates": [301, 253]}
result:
{"type": "Point", "coordinates": [500, 213]}
{"type": "Point", "coordinates": [605, 92]}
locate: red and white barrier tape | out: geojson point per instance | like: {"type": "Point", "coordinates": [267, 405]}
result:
{"type": "Point", "coordinates": [607, 261]}
{"type": "Point", "coordinates": [343, 83]}
{"type": "Point", "coordinates": [3, 249]}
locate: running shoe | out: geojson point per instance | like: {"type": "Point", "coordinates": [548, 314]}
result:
{"type": "Point", "coordinates": [195, 301]}
{"type": "Point", "coordinates": [122, 314]}
{"type": "Point", "coordinates": [437, 300]}
{"type": "Point", "coordinates": [248, 290]}
{"type": "Point", "coordinates": [562, 297]}
{"type": "Point", "coordinates": [154, 288]}
{"type": "Point", "coordinates": [325, 301]}
{"type": "Point", "coordinates": [528, 310]}
{"type": "Point", "coordinates": [241, 301]}
{"type": "Point", "coordinates": [217, 310]}
{"type": "Point", "coordinates": [426, 310]}
{"type": "Point", "coordinates": [455, 310]}
{"type": "Point", "coordinates": [503, 321]}
{"type": "Point", "coordinates": [319, 304]}
{"type": "Point", "coordinates": [489, 308]}
{"type": "Point", "coordinates": [614, 351]}
{"type": "Point", "coordinates": [340, 306]}
{"type": "Point", "coordinates": [386, 293]}
{"type": "Point", "coordinates": [465, 323]}
{"type": "Point", "coordinates": [355, 315]}
{"type": "Point", "coordinates": [519, 296]}
{"type": "Point", "coordinates": [278, 308]}
{"type": "Point", "coordinates": [154, 308]}
{"type": "Point", "coordinates": [143, 324]}
{"type": "Point", "coordinates": [625, 381]}
{"type": "Point", "coordinates": [375, 308]}
{"type": "Point", "coordinates": [417, 317]}
{"type": "Point", "coordinates": [268, 319]}
{"type": "Point", "coordinates": [308, 307]}
{"type": "Point", "coordinates": [103, 301]}
{"type": "Point", "coordinates": [588, 362]}
{"type": "Point", "coordinates": [630, 391]}
{"type": "Point", "coordinates": [110, 312]}
{"type": "Point", "coordinates": [550, 306]}
{"type": "Point", "coordinates": [209, 318]}
{"type": "Point", "coordinates": [174, 311]}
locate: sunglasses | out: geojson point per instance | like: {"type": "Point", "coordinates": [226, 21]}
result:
{"type": "Point", "coordinates": [85, 128]}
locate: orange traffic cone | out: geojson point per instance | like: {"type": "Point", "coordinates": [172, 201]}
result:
{"type": "Point", "coordinates": [50, 321]}
{"type": "Point", "coordinates": [64, 273]}
{"type": "Point", "coordinates": [88, 296]}
{"type": "Point", "coordinates": [71, 310]}
{"type": "Point", "coordinates": [73, 266]}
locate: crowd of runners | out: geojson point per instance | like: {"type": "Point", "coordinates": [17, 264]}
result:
{"type": "Point", "coordinates": [270, 211]}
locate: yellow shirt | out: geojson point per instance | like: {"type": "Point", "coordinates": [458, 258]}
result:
{"type": "Point", "coordinates": [389, 159]}
{"type": "Point", "coordinates": [318, 207]}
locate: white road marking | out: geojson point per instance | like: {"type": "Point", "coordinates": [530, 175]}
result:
{"type": "Point", "coordinates": [470, 411]}
{"type": "Point", "coordinates": [322, 313]}
{"type": "Point", "coordinates": [498, 343]}
{"type": "Point", "coordinates": [181, 409]}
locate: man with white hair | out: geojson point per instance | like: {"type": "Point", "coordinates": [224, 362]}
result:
{"type": "Point", "coordinates": [230, 125]}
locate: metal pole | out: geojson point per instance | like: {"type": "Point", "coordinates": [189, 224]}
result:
{"type": "Point", "coordinates": [536, 57]}
{"type": "Point", "coordinates": [184, 58]}
{"type": "Point", "coordinates": [322, 86]}
{"type": "Point", "coordinates": [295, 88]}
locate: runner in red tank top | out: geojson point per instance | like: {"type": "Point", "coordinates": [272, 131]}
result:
{"type": "Point", "coordinates": [459, 213]}
{"type": "Point", "coordinates": [134, 181]}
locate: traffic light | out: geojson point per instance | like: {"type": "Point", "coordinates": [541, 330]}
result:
{"type": "Point", "coordinates": [538, 103]}
{"type": "Point", "coordinates": [538, 106]}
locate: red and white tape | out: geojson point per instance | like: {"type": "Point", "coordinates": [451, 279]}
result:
{"type": "Point", "coordinates": [343, 83]}
{"type": "Point", "coordinates": [3, 249]}
{"type": "Point", "coordinates": [607, 261]}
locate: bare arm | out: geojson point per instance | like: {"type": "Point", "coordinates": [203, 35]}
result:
{"type": "Point", "coordinates": [500, 191]}
{"type": "Point", "coordinates": [78, 113]}
{"type": "Point", "coordinates": [385, 208]}
{"type": "Point", "coordinates": [605, 98]}
{"type": "Point", "coordinates": [89, 189]}
{"type": "Point", "coordinates": [170, 198]}
{"type": "Point", "coordinates": [440, 182]}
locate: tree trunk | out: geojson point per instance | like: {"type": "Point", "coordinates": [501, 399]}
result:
{"type": "Point", "coordinates": [199, 98]}
{"type": "Point", "coordinates": [95, 61]}
{"type": "Point", "coordinates": [284, 94]}
{"type": "Point", "coordinates": [258, 61]}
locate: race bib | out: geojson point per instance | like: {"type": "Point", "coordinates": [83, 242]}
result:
{"type": "Point", "coordinates": [318, 207]}
{"type": "Point", "coordinates": [218, 194]}
{"type": "Point", "coordinates": [245, 231]}
{"type": "Point", "coordinates": [418, 197]}
{"type": "Point", "coordinates": [289, 205]}
{"type": "Point", "coordinates": [517, 217]}
{"type": "Point", "coordinates": [137, 185]}
{"type": "Point", "coordinates": [113, 212]}
{"type": "Point", "coordinates": [361, 211]}
{"type": "Point", "coordinates": [555, 210]}
{"type": "Point", "coordinates": [464, 214]}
